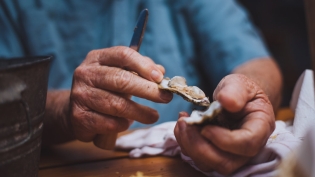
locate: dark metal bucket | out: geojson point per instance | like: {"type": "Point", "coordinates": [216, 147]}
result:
{"type": "Point", "coordinates": [23, 90]}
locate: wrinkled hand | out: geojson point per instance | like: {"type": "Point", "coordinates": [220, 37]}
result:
{"type": "Point", "coordinates": [100, 95]}
{"type": "Point", "coordinates": [215, 148]}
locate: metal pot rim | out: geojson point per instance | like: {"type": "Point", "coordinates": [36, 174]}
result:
{"type": "Point", "coordinates": [6, 64]}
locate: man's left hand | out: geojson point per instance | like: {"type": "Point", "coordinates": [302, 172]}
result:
{"type": "Point", "coordinates": [215, 148]}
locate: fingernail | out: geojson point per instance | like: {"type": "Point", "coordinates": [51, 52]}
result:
{"type": "Point", "coordinates": [156, 76]}
{"type": "Point", "coordinates": [166, 95]}
{"type": "Point", "coordinates": [180, 114]}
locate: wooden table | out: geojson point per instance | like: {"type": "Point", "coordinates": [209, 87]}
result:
{"type": "Point", "coordinates": [84, 159]}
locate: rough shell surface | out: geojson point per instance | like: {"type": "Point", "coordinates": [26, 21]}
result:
{"type": "Point", "coordinates": [190, 93]}
{"type": "Point", "coordinates": [200, 117]}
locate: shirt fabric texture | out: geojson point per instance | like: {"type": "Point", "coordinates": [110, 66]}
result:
{"type": "Point", "coordinates": [201, 40]}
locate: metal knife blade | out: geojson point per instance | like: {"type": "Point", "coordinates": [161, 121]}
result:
{"type": "Point", "coordinates": [139, 30]}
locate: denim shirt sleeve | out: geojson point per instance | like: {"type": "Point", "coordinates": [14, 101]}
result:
{"type": "Point", "coordinates": [10, 37]}
{"type": "Point", "coordinates": [224, 36]}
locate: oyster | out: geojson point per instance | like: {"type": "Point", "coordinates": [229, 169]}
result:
{"type": "Point", "coordinates": [190, 93]}
{"type": "Point", "coordinates": [201, 117]}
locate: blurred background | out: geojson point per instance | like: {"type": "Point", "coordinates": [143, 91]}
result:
{"type": "Point", "coordinates": [283, 26]}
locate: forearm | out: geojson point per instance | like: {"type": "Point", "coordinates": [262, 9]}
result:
{"type": "Point", "coordinates": [267, 75]}
{"type": "Point", "coordinates": [57, 128]}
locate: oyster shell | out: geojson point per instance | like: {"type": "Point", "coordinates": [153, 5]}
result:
{"type": "Point", "coordinates": [201, 117]}
{"type": "Point", "coordinates": [190, 93]}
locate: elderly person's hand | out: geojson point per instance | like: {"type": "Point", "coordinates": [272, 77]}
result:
{"type": "Point", "coordinates": [100, 95]}
{"type": "Point", "coordinates": [215, 148]}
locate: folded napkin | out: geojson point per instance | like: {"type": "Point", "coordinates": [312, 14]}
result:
{"type": "Point", "coordinates": [157, 140]}
{"type": "Point", "coordinates": [160, 139]}
{"type": "Point", "coordinates": [301, 162]}
{"type": "Point", "coordinates": [303, 104]}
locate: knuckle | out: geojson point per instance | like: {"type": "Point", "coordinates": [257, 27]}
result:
{"type": "Point", "coordinates": [116, 124]}
{"type": "Point", "coordinates": [123, 124]}
{"type": "Point", "coordinates": [122, 80]}
{"type": "Point", "coordinates": [88, 122]}
{"type": "Point", "coordinates": [75, 94]}
{"type": "Point", "coordinates": [154, 117]}
{"type": "Point", "coordinates": [202, 166]}
{"type": "Point", "coordinates": [81, 126]}
{"type": "Point", "coordinates": [86, 75]}
{"type": "Point", "coordinates": [224, 167]}
{"type": "Point", "coordinates": [83, 119]}
{"type": "Point", "coordinates": [75, 91]}
{"type": "Point", "coordinates": [122, 107]}
{"type": "Point", "coordinates": [75, 115]}
{"type": "Point", "coordinates": [125, 53]}
{"type": "Point", "coordinates": [76, 110]}
{"type": "Point", "coordinates": [111, 126]}
{"type": "Point", "coordinates": [118, 106]}
{"type": "Point", "coordinates": [92, 54]}
{"type": "Point", "coordinates": [79, 95]}
{"type": "Point", "coordinates": [202, 161]}
{"type": "Point", "coordinates": [80, 73]}
{"type": "Point", "coordinates": [250, 147]}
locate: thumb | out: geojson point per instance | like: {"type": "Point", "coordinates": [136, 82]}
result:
{"type": "Point", "coordinates": [234, 91]}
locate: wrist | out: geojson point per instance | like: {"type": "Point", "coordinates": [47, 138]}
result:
{"type": "Point", "coordinates": [57, 125]}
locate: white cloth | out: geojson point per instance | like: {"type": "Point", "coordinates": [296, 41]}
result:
{"type": "Point", "coordinates": [160, 139]}
{"type": "Point", "coordinates": [303, 104]}
{"type": "Point", "coordinates": [305, 155]}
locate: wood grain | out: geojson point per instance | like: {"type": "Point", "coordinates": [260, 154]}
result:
{"type": "Point", "coordinates": [125, 167]}
{"type": "Point", "coordinates": [76, 152]}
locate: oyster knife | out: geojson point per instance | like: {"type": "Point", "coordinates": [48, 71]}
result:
{"type": "Point", "coordinates": [139, 30]}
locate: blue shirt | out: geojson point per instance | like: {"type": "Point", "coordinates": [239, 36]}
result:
{"type": "Point", "coordinates": [201, 40]}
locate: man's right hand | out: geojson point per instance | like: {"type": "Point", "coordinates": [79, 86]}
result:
{"type": "Point", "coordinates": [100, 101]}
